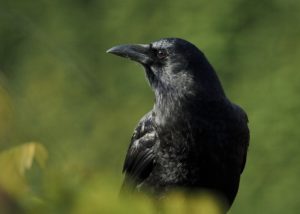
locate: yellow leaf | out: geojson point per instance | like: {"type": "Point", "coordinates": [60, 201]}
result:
{"type": "Point", "coordinates": [16, 161]}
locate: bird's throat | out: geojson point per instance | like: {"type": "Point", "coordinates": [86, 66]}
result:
{"type": "Point", "coordinates": [168, 108]}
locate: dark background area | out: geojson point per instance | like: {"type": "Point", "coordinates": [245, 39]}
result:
{"type": "Point", "coordinates": [79, 105]}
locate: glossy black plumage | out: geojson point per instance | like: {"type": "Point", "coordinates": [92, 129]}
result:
{"type": "Point", "coordinates": [194, 137]}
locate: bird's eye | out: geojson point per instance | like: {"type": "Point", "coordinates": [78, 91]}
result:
{"type": "Point", "coordinates": [161, 54]}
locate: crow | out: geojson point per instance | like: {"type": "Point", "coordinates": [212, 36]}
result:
{"type": "Point", "coordinates": [194, 138]}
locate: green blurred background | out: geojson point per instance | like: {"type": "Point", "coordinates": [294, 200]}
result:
{"type": "Point", "coordinates": [78, 105]}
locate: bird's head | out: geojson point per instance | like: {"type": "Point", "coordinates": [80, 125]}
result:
{"type": "Point", "coordinates": [173, 66]}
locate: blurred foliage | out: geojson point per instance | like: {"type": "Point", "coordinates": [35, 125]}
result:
{"type": "Point", "coordinates": [59, 87]}
{"type": "Point", "coordinates": [14, 162]}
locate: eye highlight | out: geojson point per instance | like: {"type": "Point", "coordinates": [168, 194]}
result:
{"type": "Point", "coordinates": [161, 54]}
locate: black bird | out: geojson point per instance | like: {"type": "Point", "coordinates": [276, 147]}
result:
{"type": "Point", "coordinates": [194, 138]}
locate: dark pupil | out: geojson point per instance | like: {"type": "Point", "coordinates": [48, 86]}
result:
{"type": "Point", "coordinates": [161, 54]}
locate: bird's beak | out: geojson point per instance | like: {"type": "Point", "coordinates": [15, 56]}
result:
{"type": "Point", "coordinates": [137, 52]}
